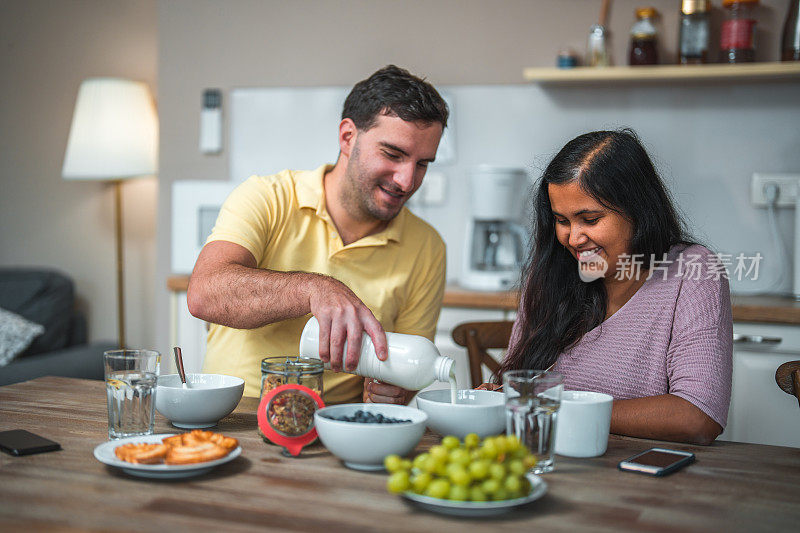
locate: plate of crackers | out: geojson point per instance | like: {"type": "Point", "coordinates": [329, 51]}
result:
{"type": "Point", "coordinates": [168, 455]}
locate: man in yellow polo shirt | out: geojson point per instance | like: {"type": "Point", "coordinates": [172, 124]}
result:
{"type": "Point", "coordinates": [335, 242]}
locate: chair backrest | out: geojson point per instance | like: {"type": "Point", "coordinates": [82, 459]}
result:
{"type": "Point", "coordinates": [788, 378]}
{"type": "Point", "coordinates": [478, 337]}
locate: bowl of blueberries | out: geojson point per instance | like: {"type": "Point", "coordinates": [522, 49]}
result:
{"type": "Point", "coordinates": [362, 434]}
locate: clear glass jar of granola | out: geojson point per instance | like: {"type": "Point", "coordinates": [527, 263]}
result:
{"type": "Point", "coordinates": [277, 371]}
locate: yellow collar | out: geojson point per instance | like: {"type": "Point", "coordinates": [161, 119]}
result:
{"type": "Point", "coordinates": [310, 194]}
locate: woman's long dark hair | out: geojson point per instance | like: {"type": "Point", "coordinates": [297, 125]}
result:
{"type": "Point", "coordinates": [558, 308]}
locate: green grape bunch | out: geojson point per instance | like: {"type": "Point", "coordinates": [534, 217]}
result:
{"type": "Point", "coordinates": [489, 470]}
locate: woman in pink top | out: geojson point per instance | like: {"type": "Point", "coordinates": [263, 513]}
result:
{"type": "Point", "coordinates": [619, 300]}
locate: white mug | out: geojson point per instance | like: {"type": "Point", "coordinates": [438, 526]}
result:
{"type": "Point", "coordinates": [582, 423]}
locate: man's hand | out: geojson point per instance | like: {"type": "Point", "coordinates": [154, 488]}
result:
{"type": "Point", "coordinates": [343, 317]}
{"type": "Point", "coordinates": [489, 386]}
{"type": "Point", "coordinates": [377, 392]}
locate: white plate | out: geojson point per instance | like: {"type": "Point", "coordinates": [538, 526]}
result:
{"type": "Point", "coordinates": [105, 454]}
{"type": "Point", "coordinates": [456, 508]}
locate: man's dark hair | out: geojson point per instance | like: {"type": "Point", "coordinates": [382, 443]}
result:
{"type": "Point", "coordinates": [396, 92]}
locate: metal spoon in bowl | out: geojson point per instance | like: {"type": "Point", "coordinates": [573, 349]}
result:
{"type": "Point", "coordinates": [179, 366]}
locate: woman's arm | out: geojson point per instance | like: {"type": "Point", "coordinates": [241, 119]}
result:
{"type": "Point", "coordinates": [663, 417]}
{"type": "Point", "coordinates": [699, 363]}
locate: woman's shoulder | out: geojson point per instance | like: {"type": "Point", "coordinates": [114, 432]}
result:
{"type": "Point", "coordinates": [690, 248]}
{"type": "Point", "coordinates": [693, 262]}
{"type": "Point", "coordinates": [700, 280]}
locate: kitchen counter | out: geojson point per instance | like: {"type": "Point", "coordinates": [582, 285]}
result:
{"type": "Point", "coordinates": [766, 309]}
{"type": "Point", "coordinates": [769, 309]}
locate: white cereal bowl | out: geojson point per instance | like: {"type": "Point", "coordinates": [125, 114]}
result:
{"type": "Point", "coordinates": [363, 446]}
{"type": "Point", "coordinates": [209, 398]}
{"type": "Point", "coordinates": [476, 411]}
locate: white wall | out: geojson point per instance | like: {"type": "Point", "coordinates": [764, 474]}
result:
{"type": "Point", "coordinates": [706, 157]}
{"type": "Point", "coordinates": [706, 140]}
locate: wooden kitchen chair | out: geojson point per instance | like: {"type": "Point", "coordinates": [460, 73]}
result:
{"type": "Point", "coordinates": [788, 378]}
{"type": "Point", "coordinates": [478, 337]}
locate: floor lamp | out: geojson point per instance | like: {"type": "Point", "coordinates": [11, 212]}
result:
{"type": "Point", "coordinates": [113, 137]}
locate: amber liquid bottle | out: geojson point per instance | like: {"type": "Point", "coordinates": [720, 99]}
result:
{"type": "Point", "coordinates": [643, 51]}
{"type": "Point", "coordinates": [643, 48]}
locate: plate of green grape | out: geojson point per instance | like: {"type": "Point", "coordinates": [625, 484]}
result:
{"type": "Point", "coordinates": [470, 478]}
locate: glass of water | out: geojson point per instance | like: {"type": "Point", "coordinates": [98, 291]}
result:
{"type": "Point", "coordinates": [131, 391]}
{"type": "Point", "coordinates": [532, 401]}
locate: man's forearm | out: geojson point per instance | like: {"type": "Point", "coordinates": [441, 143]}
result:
{"type": "Point", "coordinates": [227, 288]}
{"type": "Point", "coordinates": [242, 297]}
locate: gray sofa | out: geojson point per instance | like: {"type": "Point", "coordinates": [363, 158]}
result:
{"type": "Point", "coordinates": [46, 297]}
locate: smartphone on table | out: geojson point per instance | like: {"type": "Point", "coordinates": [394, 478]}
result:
{"type": "Point", "coordinates": [657, 461]}
{"type": "Point", "coordinates": [21, 442]}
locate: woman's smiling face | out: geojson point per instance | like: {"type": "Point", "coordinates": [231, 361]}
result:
{"type": "Point", "coordinates": [593, 234]}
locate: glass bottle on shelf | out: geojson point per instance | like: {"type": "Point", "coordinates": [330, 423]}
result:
{"type": "Point", "coordinates": [737, 39]}
{"type": "Point", "coordinates": [596, 48]}
{"type": "Point", "coordinates": [644, 49]}
{"type": "Point", "coordinates": [695, 32]}
{"type": "Point", "coordinates": [790, 42]}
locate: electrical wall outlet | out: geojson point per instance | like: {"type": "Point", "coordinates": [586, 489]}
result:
{"type": "Point", "coordinates": [435, 184]}
{"type": "Point", "coordinates": [787, 185]}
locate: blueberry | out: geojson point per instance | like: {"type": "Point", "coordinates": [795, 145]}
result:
{"type": "Point", "coordinates": [366, 417]}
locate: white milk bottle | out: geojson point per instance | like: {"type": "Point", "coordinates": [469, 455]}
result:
{"type": "Point", "coordinates": [413, 362]}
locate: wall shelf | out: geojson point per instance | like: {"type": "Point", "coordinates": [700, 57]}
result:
{"type": "Point", "coordinates": [746, 72]}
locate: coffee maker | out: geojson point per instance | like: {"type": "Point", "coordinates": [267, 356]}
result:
{"type": "Point", "coordinates": [496, 244]}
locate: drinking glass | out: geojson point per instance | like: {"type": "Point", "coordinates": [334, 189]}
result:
{"type": "Point", "coordinates": [131, 390]}
{"type": "Point", "coordinates": [532, 401]}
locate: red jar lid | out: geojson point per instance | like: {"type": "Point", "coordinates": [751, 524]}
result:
{"type": "Point", "coordinates": [278, 412]}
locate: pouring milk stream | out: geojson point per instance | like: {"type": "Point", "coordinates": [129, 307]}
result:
{"type": "Point", "coordinates": [414, 362]}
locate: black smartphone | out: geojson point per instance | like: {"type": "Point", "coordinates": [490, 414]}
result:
{"type": "Point", "coordinates": [21, 442]}
{"type": "Point", "coordinates": [657, 461]}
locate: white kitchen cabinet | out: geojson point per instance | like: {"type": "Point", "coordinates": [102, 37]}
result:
{"type": "Point", "coordinates": [760, 412]}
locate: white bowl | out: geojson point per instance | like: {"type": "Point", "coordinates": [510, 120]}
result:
{"type": "Point", "coordinates": [363, 446]}
{"type": "Point", "coordinates": [209, 398]}
{"type": "Point", "coordinates": [476, 411]}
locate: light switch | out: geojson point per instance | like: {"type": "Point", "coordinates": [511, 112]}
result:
{"type": "Point", "coordinates": [211, 122]}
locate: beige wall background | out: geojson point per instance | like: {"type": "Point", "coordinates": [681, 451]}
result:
{"type": "Point", "coordinates": [46, 49]}
{"type": "Point", "coordinates": [181, 47]}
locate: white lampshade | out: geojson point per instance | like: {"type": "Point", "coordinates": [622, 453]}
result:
{"type": "Point", "coordinates": [114, 133]}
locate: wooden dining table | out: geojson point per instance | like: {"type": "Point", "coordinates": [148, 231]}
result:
{"type": "Point", "coordinates": [731, 486]}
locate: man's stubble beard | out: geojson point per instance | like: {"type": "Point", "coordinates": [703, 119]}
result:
{"type": "Point", "coordinates": [357, 192]}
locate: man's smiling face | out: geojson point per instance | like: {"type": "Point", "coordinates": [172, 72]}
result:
{"type": "Point", "coordinates": [386, 166]}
